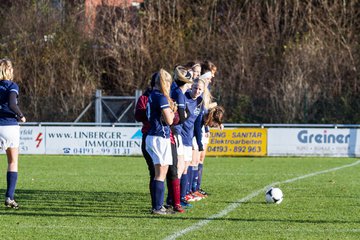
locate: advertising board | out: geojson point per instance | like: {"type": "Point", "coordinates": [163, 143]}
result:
{"type": "Point", "coordinates": [313, 142]}
{"type": "Point", "coordinates": [237, 142]}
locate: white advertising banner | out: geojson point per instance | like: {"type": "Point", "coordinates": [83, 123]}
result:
{"type": "Point", "coordinates": [313, 142]}
{"type": "Point", "coordinates": [32, 140]}
{"type": "Point", "coordinates": [127, 141]}
{"type": "Point", "coordinates": [81, 140]}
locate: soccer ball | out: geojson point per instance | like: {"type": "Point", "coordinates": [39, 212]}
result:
{"type": "Point", "coordinates": [274, 195]}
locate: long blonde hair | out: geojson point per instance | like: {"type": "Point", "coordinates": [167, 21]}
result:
{"type": "Point", "coordinates": [6, 70]}
{"type": "Point", "coordinates": [207, 97]}
{"type": "Point", "coordinates": [164, 79]}
{"type": "Point", "coordinates": [181, 75]}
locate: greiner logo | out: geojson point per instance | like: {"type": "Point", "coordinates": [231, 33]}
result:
{"type": "Point", "coordinates": [304, 137]}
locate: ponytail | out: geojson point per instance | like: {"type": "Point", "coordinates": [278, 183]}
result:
{"type": "Point", "coordinates": [165, 83]}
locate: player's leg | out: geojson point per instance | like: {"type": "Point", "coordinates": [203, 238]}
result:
{"type": "Point", "coordinates": [200, 168]}
{"type": "Point", "coordinates": [205, 141]}
{"type": "Point", "coordinates": [150, 166]}
{"type": "Point", "coordinates": [11, 176]}
{"type": "Point", "coordinates": [173, 183]}
{"type": "Point", "coordinates": [196, 196]}
{"type": "Point", "coordinates": [159, 149]}
{"type": "Point", "coordinates": [184, 177]}
{"type": "Point", "coordinates": [159, 187]}
{"type": "Point", "coordinates": [10, 139]}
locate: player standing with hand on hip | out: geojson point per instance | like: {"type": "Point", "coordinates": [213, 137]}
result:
{"type": "Point", "coordinates": [10, 114]}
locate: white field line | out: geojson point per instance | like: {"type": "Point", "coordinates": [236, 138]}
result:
{"type": "Point", "coordinates": [237, 203]}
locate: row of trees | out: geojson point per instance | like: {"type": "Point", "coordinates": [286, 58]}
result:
{"type": "Point", "coordinates": [279, 61]}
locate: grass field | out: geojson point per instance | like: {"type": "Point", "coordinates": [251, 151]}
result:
{"type": "Point", "coordinates": [100, 197]}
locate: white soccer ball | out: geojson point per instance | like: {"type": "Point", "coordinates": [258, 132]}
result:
{"type": "Point", "coordinates": [274, 195]}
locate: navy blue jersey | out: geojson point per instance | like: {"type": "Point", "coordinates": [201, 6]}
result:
{"type": "Point", "coordinates": [157, 102]}
{"type": "Point", "coordinates": [194, 107]}
{"type": "Point", "coordinates": [178, 96]}
{"type": "Point", "coordinates": [173, 86]}
{"type": "Point", "coordinates": [7, 116]}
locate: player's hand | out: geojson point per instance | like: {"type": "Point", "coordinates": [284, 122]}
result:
{"type": "Point", "coordinates": [174, 107]}
{"type": "Point", "coordinates": [22, 119]}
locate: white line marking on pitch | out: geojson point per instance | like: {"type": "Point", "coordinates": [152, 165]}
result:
{"type": "Point", "coordinates": [234, 205]}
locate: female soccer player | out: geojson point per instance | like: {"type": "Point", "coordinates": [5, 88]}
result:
{"type": "Point", "coordinates": [208, 70]}
{"type": "Point", "coordinates": [194, 68]}
{"type": "Point", "coordinates": [183, 81]}
{"type": "Point", "coordinates": [194, 106]}
{"type": "Point", "coordinates": [161, 115]}
{"type": "Point", "coordinates": [212, 118]}
{"type": "Point", "coordinates": [10, 114]}
{"type": "Point", "coordinates": [140, 116]}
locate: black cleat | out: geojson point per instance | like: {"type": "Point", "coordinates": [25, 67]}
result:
{"type": "Point", "coordinates": [203, 192]}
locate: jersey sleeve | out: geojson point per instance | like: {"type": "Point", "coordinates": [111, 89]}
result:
{"type": "Point", "coordinates": [140, 110]}
{"type": "Point", "coordinates": [181, 101]}
{"type": "Point", "coordinates": [163, 102]}
{"type": "Point", "coordinates": [14, 88]}
{"type": "Point", "coordinates": [198, 132]}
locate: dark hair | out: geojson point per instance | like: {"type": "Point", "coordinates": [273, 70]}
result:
{"type": "Point", "coordinates": [191, 64]}
{"type": "Point", "coordinates": [215, 116]}
{"type": "Point", "coordinates": [153, 79]}
{"type": "Point", "coordinates": [207, 66]}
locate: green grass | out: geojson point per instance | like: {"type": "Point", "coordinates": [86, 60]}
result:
{"type": "Point", "coordinates": [101, 197]}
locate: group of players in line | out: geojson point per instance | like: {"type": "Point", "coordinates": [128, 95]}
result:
{"type": "Point", "coordinates": [177, 111]}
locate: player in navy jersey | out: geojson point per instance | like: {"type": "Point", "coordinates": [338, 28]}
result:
{"type": "Point", "coordinates": [209, 118]}
{"type": "Point", "coordinates": [140, 116]}
{"type": "Point", "coordinates": [208, 70]}
{"type": "Point", "coordinates": [10, 114]}
{"type": "Point", "coordinates": [183, 81]}
{"type": "Point", "coordinates": [194, 106]}
{"type": "Point", "coordinates": [160, 111]}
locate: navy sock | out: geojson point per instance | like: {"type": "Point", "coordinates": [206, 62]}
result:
{"type": "Point", "coordinates": [169, 199]}
{"type": "Point", "coordinates": [151, 188]}
{"type": "Point", "coordinates": [195, 179]}
{"type": "Point", "coordinates": [183, 185]}
{"type": "Point", "coordinates": [11, 178]}
{"type": "Point", "coordinates": [159, 190]}
{"type": "Point", "coordinates": [200, 175]}
{"type": "Point", "coordinates": [189, 181]}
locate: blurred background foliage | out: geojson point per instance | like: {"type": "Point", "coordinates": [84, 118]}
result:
{"type": "Point", "coordinates": [278, 61]}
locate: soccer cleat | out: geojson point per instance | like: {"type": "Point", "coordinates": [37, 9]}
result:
{"type": "Point", "coordinates": [11, 203]}
{"type": "Point", "coordinates": [198, 194]}
{"type": "Point", "coordinates": [185, 204]}
{"type": "Point", "coordinates": [161, 211]}
{"type": "Point", "coordinates": [192, 198]}
{"type": "Point", "coordinates": [203, 192]}
{"type": "Point", "coordinates": [170, 211]}
{"type": "Point", "coordinates": [179, 209]}
{"type": "Point", "coordinates": [168, 206]}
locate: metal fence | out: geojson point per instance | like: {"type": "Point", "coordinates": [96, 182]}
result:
{"type": "Point", "coordinates": [111, 109]}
